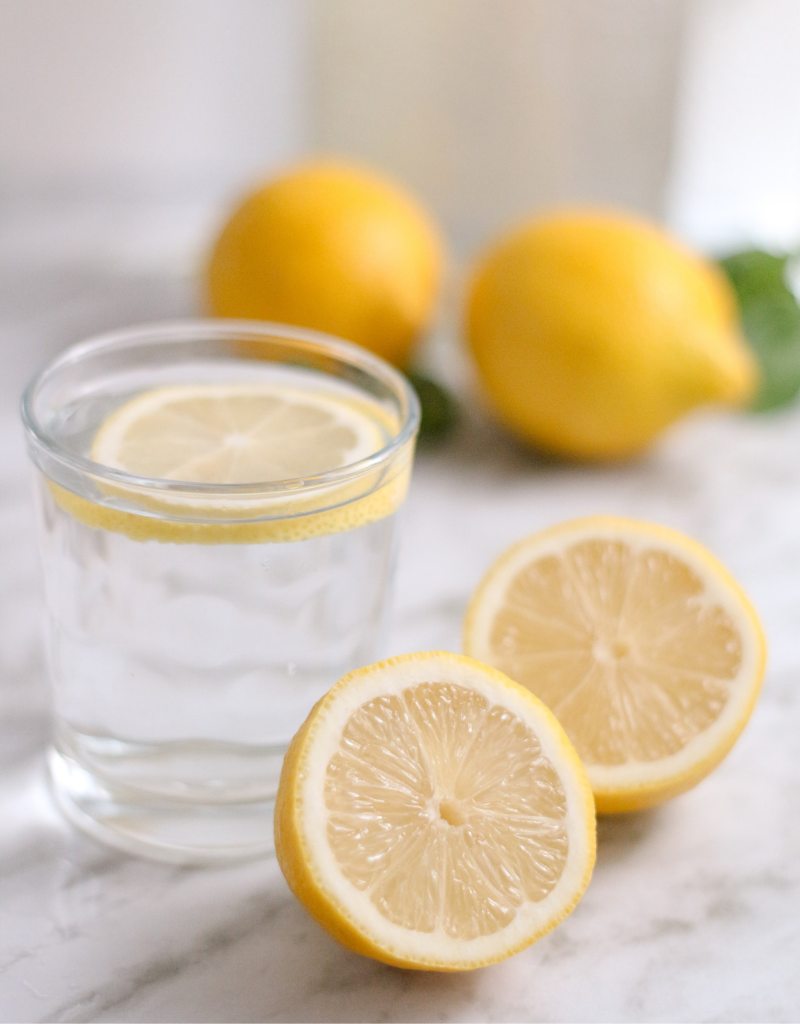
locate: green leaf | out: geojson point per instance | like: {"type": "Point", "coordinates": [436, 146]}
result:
{"type": "Point", "coordinates": [770, 320]}
{"type": "Point", "coordinates": [439, 409]}
{"type": "Point", "coordinates": [756, 274]}
{"type": "Point", "coordinates": [772, 326]}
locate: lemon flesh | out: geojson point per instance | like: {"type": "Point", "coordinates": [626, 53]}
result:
{"type": "Point", "coordinates": [431, 814]}
{"type": "Point", "coordinates": [234, 434]}
{"type": "Point", "coordinates": [423, 855]}
{"type": "Point", "coordinates": [644, 648]}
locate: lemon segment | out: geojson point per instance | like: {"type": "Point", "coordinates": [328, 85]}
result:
{"type": "Point", "coordinates": [639, 641]}
{"type": "Point", "coordinates": [431, 813]}
{"type": "Point", "coordinates": [257, 433]}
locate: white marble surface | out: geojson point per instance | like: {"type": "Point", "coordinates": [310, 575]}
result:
{"type": "Point", "coordinates": [693, 912]}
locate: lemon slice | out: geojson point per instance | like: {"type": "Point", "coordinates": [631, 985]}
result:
{"type": "Point", "coordinates": [431, 813]}
{"type": "Point", "coordinates": [639, 641]}
{"type": "Point", "coordinates": [235, 434]}
{"type": "Point", "coordinates": [238, 434]}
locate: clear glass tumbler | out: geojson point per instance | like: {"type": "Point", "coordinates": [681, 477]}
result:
{"type": "Point", "coordinates": [191, 627]}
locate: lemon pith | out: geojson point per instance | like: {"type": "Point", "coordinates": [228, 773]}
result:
{"type": "Point", "coordinates": [640, 642]}
{"type": "Point", "coordinates": [431, 815]}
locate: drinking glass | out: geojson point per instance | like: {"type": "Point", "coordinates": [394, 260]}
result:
{"type": "Point", "coordinates": [192, 626]}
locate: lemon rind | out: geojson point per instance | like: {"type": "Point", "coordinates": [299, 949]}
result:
{"type": "Point", "coordinates": [159, 520]}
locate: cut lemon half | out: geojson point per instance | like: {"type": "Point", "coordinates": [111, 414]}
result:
{"type": "Point", "coordinates": [242, 434]}
{"type": "Point", "coordinates": [432, 813]}
{"type": "Point", "coordinates": [639, 641]}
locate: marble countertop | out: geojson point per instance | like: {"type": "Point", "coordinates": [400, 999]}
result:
{"type": "Point", "coordinates": [693, 913]}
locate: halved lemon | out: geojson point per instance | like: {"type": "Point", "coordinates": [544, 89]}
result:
{"type": "Point", "coordinates": [258, 433]}
{"type": "Point", "coordinates": [432, 813]}
{"type": "Point", "coordinates": [640, 642]}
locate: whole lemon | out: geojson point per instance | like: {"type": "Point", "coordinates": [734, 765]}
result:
{"type": "Point", "coordinates": [335, 247]}
{"type": "Point", "coordinates": [593, 330]}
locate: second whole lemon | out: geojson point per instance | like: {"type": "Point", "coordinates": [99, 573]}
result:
{"type": "Point", "coordinates": [594, 330]}
{"type": "Point", "coordinates": [335, 247]}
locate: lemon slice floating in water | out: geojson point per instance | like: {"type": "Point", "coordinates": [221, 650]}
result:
{"type": "Point", "coordinates": [639, 641]}
{"type": "Point", "coordinates": [432, 813]}
{"type": "Point", "coordinates": [235, 434]}
{"type": "Point", "coordinates": [261, 433]}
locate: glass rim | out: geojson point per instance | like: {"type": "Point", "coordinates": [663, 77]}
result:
{"type": "Point", "coordinates": [211, 329]}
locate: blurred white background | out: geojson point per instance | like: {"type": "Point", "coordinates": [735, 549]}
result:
{"type": "Point", "coordinates": [159, 99]}
{"type": "Point", "coordinates": [128, 129]}
{"type": "Point", "coordinates": [735, 165]}
{"type": "Point", "coordinates": [685, 109]}
{"type": "Point", "coordinates": [688, 109]}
